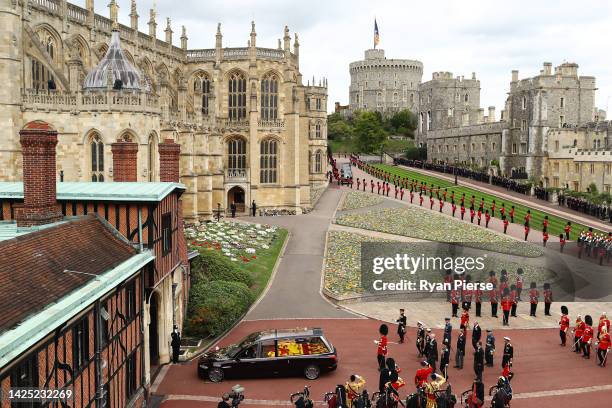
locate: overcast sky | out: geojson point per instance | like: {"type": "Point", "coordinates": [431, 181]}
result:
{"type": "Point", "coordinates": [462, 36]}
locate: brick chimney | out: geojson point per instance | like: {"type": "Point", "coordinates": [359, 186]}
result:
{"type": "Point", "coordinates": [125, 158]}
{"type": "Point", "coordinates": [38, 140]}
{"type": "Point", "coordinates": [169, 160]}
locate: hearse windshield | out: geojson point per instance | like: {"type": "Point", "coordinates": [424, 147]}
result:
{"type": "Point", "coordinates": [234, 349]}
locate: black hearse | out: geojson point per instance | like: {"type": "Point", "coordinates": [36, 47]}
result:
{"type": "Point", "coordinates": [286, 352]}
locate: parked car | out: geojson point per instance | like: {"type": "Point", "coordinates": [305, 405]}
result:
{"type": "Point", "coordinates": [287, 352]}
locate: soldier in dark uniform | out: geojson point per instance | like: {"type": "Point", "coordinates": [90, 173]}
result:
{"type": "Point", "coordinates": [508, 352]}
{"type": "Point", "coordinates": [479, 361]}
{"type": "Point", "coordinates": [444, 360]}
{"type": "Point", "coordinates": [476, 334]}
{"type": "Point", "coordinates": [401, 326]}
{"type": "Point", "coordinates": [420, 338]}
{"type": "Point", "coordinates": [490, 348]}
{"type": "Point", "coordinates": [460, 351]}
{"type": "Point", "coordinates": [448, 332]}
{"type": "Point", "coordinates": [432, 351]}
{"type": "Point", "coordinates": [175, 343]}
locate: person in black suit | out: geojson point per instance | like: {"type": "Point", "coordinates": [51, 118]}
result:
{"type": "Point", "coordinates": [432, 351]}
{"type": "Point", "coordinates": [476, 334]}
{"type": "Point", "coordinates": [479, 361]}
{"type": "Point", "coordinates": [254, 208]}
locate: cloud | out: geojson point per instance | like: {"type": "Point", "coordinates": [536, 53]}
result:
{"type": "Point", "coordinates": [487, 37]}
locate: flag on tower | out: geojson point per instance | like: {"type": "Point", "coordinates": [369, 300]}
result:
{"type": "Point", "coordinates": [376, 36]}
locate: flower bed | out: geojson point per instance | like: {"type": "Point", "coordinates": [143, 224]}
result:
{"type": "Point", "coordinates": [342, 273]}
{"type": "Point", "coordinates": [428, 225]}
{"type": "Point", "coordinates": [237, 241]}
{"type": "Point", "coordinates": [356, 199]}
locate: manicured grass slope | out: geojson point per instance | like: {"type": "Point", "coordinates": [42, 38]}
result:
{"type": "Point", "coordinates": [555, 224]}
{"type": "Point", "coordinates": [261, 268]}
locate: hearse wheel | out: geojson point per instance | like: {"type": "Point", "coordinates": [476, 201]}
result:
{"type": "Point", "coordinates": [312, 372]}
{"type": "Point", "coordinates": [215, 374]}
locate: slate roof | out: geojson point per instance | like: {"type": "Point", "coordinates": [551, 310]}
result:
{"type": "Point", "coordinates": [115, 191]}
{"type": "Point", "coordinates": [40, 268]}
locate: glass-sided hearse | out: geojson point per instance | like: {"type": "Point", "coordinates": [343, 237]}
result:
{"type": "Point", "coordinates": [286, 352]}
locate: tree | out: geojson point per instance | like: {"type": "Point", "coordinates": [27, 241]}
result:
{"type": "Point", "coordinates": [416, 153]}
{"type": "Point", "coordinates": [369, 131]}
{"type": "Point", "coordinates": [404, 122]}
{"type": "Point", "coordinates": [339, 130]}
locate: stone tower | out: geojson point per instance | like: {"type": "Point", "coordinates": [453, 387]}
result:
{"type": "Point", "coordinates": [384, 85]}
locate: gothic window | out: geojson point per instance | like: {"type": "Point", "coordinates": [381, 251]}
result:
{"type": "Point", "coordinates": [524, 103]}
{"type": "Point", "coordinates": [318, 130]}
{"type": "Point", "coordinates": [202, 84]}
{"type": "Point", "coordinates": [97, 159]}
{"type": "Point", "coordinates": [411, 98]}
{"type": "Point", "coordinates": [237, 96]}
{"type": "Point", "coordinates": [269, 97]}
{"type": "Point", "coordinates": [41, 77]}
{"type": "Point", "coordinates": [236, 154]}
{"type": "Point", "coordinates": [421, 121]}
{"type": "Point", "coordinates": [466, 98]}
{"type": "Point", "coordinates": [318, 162]}
{"type": "Point", "coordinates": [268, 161]}
{"type": "Point", "coordinates": [429, 120]}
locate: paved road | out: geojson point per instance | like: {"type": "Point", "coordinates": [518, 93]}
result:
{"type": "Point", "coordinates": [295, 288]}
{"type": "Point", "coordinates": [545, 373]}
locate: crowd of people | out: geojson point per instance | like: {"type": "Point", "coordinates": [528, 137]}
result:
{"type": "Point", "coordinates": [503, 292]}
{"type": "Point", "coordinates": [505, 182]}
{"type": "Point", "coordinates": [584, 337]}
{"type": "Point", "coordinates": [601, 211]}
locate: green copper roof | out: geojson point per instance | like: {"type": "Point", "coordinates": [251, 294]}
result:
{"type": "Point", "coordinates": [100, 191]}
{"type": "Point", "coordinates": [14, 342]}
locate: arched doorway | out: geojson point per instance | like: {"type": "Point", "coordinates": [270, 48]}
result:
{"type": "Point", "coordinates": [236, 195]}
{"type": "Point", "coordinates": [154, 330]}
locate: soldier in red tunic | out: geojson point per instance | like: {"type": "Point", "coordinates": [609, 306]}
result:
{"type": "Point", "coordinates": [502, 210]}
{"type": "Point", "coordinates": [431, 201]}
{"type": "Point", "coordinates": [534, 295]}
{"type": "Point", "coordinates": [544, 238]}
{"type": "Point", "coordinates": [578, 330]}
{"type": "Point", "coordinates": [528, 216]}
{"type": "Point", "coordinates": [395, 191]}
{"type": "Point", "coordinates": [472, 214]}
{"type": "Point", "coordinates": [587, 337]}
{"type": "Point", "coordinates": [441, 204]}
{"type": "Point", "coordinates": [479, 215]}
{"type": "Point", "coordinates": [568, 229]}
{"type": "Point", "coordinates": [372, 186]}
{"type": "Point", "coordinates": [411, 195]}
{"type": "Point", "coordinates": [465, 320]}
{"type": "Point", "coordinates": [422, 374]}
{"type": "Point", "coordinates": [381, 352]}
{"type": "Point", "coordinates": [512, 214]}
{"type": "Point", "coordinates": [513, 300]}
{"type": "Point", "coordinates": [487, 218]}
{"type": "Point", "coordinates": [506, 306]}
{"type": "Point", "coordinates": [402, 194]}
{"type": "Point", "coordinates": [358, 184]}
{"type": "Point", "coordinates": [519, 283]}
{"type": "Point", "coordinates": [472, 201]}
{"type": "Point", "coordinates": [548, 298]}
{"type": "Point", "coordinates": [603, 322]}
{"type": "Point", "coordinates": [493, 209]}
{"type": "Point", "coordinates": [421, 199]}
{"type": "Point", "coordinates": [453, 208]}
{"type": "Point", "coordinates": [378, 187]}
{"type": "Point", "coordinates": [603, 347]}
{"type": "Point", "coordinates": [454, 302]}
{"type": "Point", "coordinates": [545, 223]}
{"type": "Point", "coordinates": [462, 211]}
{"type": "Point", "coordinates": [463, 199]}
{"type": "Point", "coordinates": [526, 230]}
{"type": "Point", "coordinates": [563, 325]}
{"type": "Point", "coordinates": [505, 221]}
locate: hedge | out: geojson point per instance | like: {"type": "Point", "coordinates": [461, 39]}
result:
{"type": "Point", "coordinates": [215, 306]}
{"type": "Point", "coordinates": [212, 265]}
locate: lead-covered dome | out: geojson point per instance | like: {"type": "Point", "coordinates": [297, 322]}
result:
{"type": "Point", "coordinates": [117, 66]}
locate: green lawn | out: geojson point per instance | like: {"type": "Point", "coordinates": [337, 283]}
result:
{"type": "Point", "coordinates": [261, 268]}
{"type": "Point", "coordinates": [555, 226]}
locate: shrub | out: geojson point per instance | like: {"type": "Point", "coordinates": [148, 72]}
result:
{"type": "Point", "coordinates": [212, 265]}
{"type": "Point", "coordinates": [215, 306]}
